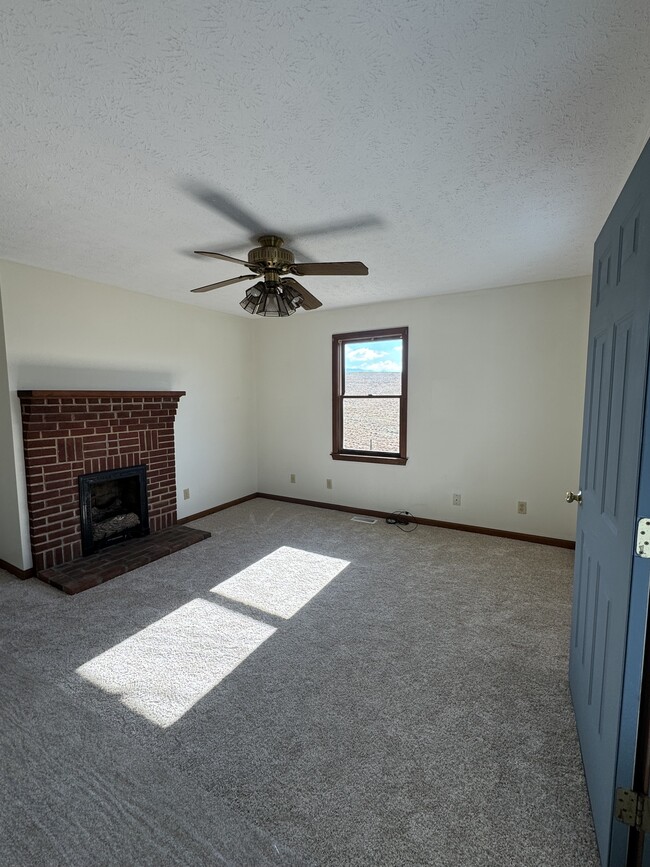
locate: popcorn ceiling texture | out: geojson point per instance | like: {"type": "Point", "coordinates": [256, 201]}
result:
{"type": "Point", "coordinates": [490, 140]}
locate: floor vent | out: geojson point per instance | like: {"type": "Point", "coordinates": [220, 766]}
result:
{"type": "Point", "coordinates": [363, 519]}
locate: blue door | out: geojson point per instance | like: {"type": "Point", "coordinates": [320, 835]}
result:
{"type": "Point", "coordinates": [607, 631]}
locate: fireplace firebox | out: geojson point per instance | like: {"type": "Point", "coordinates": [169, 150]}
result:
{"type": "Point", "coordinates": [113, 507]}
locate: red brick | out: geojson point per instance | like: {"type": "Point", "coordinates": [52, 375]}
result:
{"type": "Point", "coordinates": [116, 433]}
{"type": "Point", "coordinates": [95, 453]}
{"type": "Point", "coordinates": [54, 474]}
{"type": "Point", "coordinates": [47, 409]}
{"type": "Point", "coordinates": [44, 511]}
{"type": "Point", "coordinates": [63, 499]}
{"type": "Point", "coordinates": [34, 452]}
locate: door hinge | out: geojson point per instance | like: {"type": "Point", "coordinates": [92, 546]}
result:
{"type": "Point", "coordinates": [632, 809]}
{"type": "Point", "coordinates": [643, 537]}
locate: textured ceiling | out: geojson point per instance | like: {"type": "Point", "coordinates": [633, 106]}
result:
{"type": "Point", "coordinates": [463, 144]}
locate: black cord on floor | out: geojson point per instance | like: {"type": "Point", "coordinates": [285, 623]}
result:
{"type": "Point", "coordinates": [400, 519]}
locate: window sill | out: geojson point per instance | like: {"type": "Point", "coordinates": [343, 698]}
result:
{"type": "Point", "coordinates": [369, 459]}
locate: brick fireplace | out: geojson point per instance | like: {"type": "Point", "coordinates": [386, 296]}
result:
{"type": "Point", "coordinates": [68, 434]}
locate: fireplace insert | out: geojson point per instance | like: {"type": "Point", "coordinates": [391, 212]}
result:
{"type": "Point", "coordinates": [113, 507]}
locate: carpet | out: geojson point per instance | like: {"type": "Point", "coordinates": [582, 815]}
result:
{"type": "Point", "coordinates": [298, 689]}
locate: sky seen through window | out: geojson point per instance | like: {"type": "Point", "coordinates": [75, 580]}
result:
{"type": "Point", "coordinates": [375, 356]}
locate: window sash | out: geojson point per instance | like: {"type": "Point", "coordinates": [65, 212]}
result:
{"type": "Point", "coordinates": [339, 342]}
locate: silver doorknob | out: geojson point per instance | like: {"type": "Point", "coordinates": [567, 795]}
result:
{"type": "Point", "coordinates": [571, 497]}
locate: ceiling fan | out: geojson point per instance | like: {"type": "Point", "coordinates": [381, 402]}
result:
{"type": "Point", "coordinates": [278, 293]}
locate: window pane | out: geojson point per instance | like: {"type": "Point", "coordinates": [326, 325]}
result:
{"type": "Point", "coordinates": [371, 425]}
{"type": "Point", "coordinates": [373, 367]}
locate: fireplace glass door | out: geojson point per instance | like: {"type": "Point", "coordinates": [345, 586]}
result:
{"type": "Point", "coordinates": [113, 507]}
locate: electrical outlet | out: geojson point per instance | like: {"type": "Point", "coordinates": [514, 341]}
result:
{"type": "Point", "coordinates": [455, 499]}
{"type": "Point", "coordinates": [186, 493]}
{"type": "Point", "coordinates": [522, 507]}
{"type": "Point", "coordinates": [328, 484]}
{"type": "Point", "coordinates": [292, 478]}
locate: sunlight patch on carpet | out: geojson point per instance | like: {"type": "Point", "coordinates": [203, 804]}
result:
{"type": "Point", "coordinates": [283, 581]}
{"type": "Point", "coordinates": [163, 670]}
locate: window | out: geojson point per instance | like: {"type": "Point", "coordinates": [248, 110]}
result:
{"type": "Point", "coordinates": [369, 396]}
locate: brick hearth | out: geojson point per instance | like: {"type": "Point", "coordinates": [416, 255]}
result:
{"type": "Point", "coordinates": [69, 433]}
{"type": "Point", "coordinates": [93, 570]}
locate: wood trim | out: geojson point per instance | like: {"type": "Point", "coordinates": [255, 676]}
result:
{"type": "Point", "coordinates": [214, 509]}
{"type": "Point", "coordinates": [430, 522]}
{"type": "Point", "coordinates": [23, 574]}
{"type": "Point", "coordinates": [117, 394]}
{"type": "Point", "coordinates": [338, 388]}
{"type": "Point", "coordinates": [368, 458]}
{"type": "Point", "coordinates": [641, 781]}
{"type": "Point", "coordinates": [403, 405]}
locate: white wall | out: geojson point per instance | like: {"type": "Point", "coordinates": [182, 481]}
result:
{"type": "Point", "coordinates": [496, 380]}
{"type": "Point", "coordinates": [66, 333]}
{"type": "Point", "coordinates": [495, 396]}
{"type": "Point", "coordinates": [10, 535]}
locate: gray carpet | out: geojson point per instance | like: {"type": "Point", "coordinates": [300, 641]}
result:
{"type": "Point", "coordinates": [254, 700]}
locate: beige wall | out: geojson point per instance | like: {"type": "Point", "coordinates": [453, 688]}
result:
{"type": "Point", "coordinates": [495, 396]}
{"type": "Point", "coordinates": [66, 333]}
{"type": "Point", "coordinates": [11, 549]}
{"type": "Point", "coordinates": [496, 380]}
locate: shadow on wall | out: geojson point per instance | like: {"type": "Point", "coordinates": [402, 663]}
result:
{"type": "Point", "coordinates": [46, 376]}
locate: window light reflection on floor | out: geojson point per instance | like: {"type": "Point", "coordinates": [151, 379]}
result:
{"type": "Point", "coordinates": [163, 670]}
{"type": "Point", "coordinates": [167, 667]}
{"type": "Point", "coordinates": [282, 582]}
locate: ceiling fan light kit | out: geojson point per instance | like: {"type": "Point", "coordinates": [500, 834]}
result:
{"type": "Point", "coordinates": [279, 294]}
{"type": "Point", "coordinates": [267, 300]}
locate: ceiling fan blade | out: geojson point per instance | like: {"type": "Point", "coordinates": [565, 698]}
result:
{"type": "Point", "coordinates": [225, 283]}
{"type": "Point", "coordinates": [223, 256]}
{"type": "Point", "coordinates": [331, 268]}
{"type": "Point", "coordinates": [309, 302]}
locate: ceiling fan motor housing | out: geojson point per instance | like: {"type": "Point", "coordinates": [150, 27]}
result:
{"type": "Point", "coordinates": [271, 254]}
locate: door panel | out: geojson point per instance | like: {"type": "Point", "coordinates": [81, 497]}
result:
{"type": "Point", "coordinates": [620, 379]}
{"type": "Point", "coordinates": [611, 447]}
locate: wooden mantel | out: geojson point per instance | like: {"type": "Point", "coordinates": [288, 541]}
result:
{"type": "Point", "coordinates": [108, 394]}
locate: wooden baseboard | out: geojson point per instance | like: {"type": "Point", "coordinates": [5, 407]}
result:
{"type": "Point", "coordinates": [23, 574]}
{"type": "Point", "coordinates": [430, 522]}
{"type": "Point", "coordinates": [214, 509]}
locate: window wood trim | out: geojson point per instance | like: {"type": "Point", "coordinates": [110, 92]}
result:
{"type": "Point", "coordinates": [338, 453]}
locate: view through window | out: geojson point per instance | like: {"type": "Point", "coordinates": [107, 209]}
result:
{"type": "Point", "coordinates": [369, 395]}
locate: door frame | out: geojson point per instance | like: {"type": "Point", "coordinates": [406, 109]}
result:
{"type": "Point", "coordinates": [630, 847]}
